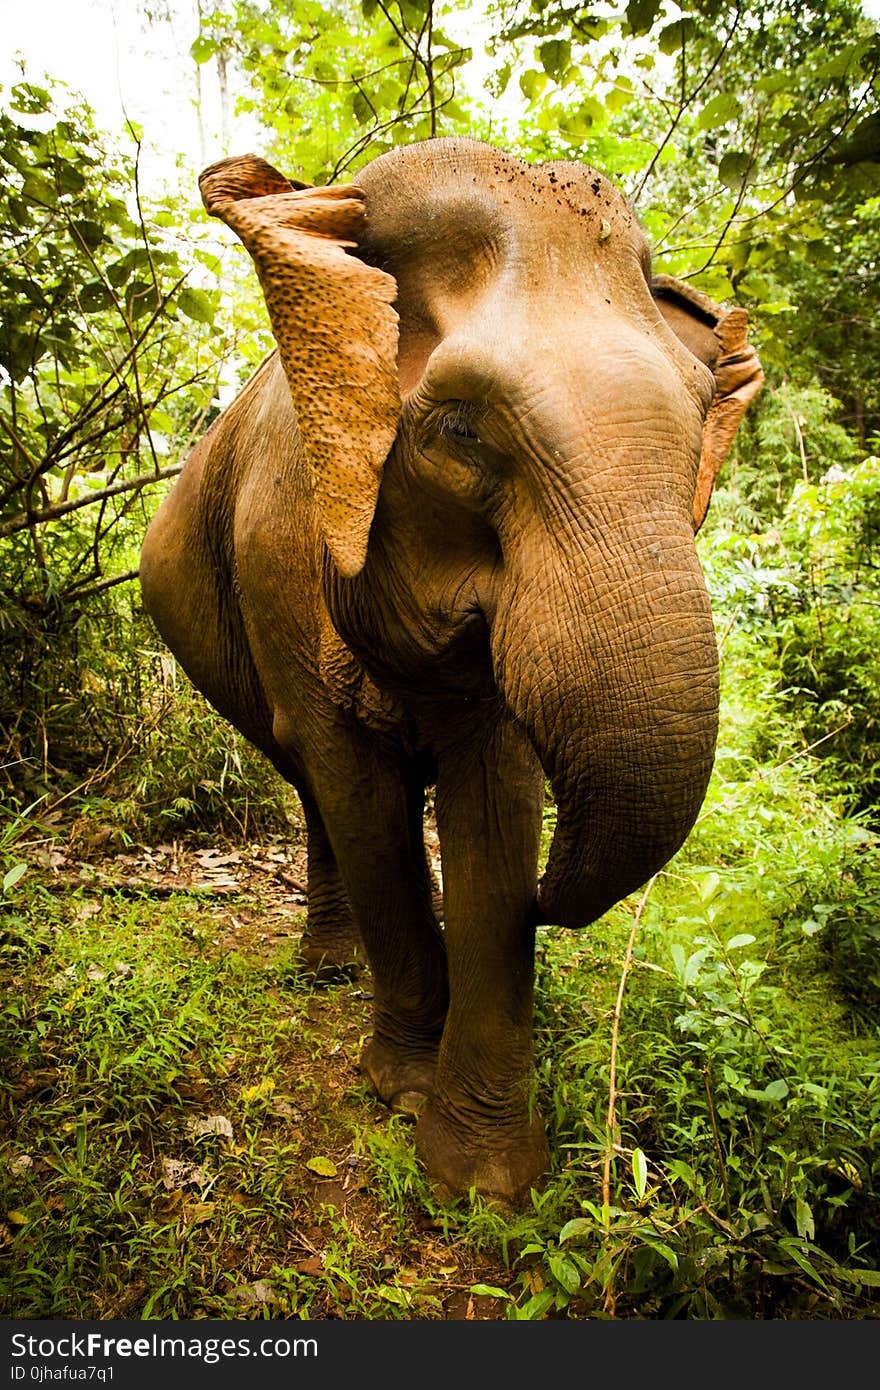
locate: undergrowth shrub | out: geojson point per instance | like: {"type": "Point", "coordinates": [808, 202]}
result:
{"type": "Point", "coordinates": [194, 772]}
{"type": "Point", "coordinates": [805, 591]}
{"type": "Point", "coordinates": [740, 1175]}
{"type": "Point", "coordinates": [101, 720]}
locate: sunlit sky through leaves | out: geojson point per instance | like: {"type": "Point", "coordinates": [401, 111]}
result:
{"type": "Point", "coordinates": [126, 67]}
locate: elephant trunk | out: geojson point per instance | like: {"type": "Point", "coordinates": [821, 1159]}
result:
{"type": "Point", "coordinates": [620, 701]}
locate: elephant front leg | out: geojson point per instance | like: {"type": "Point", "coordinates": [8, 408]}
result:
{"type": "Point", "coordinates": [480, 1129]}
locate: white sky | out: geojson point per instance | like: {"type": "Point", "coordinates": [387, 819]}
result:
{"type": "Point", "coordinates": [106, 50]}
{"type": "Point", "coordinates": [123, 66]}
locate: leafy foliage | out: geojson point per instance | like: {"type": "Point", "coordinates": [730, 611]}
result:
{"type": "Point", "coordinates": [337, 84]}
{"type": "Point", "coordinates": [94, 307]}
{"type": "Point", "coordinates": [803, 584]}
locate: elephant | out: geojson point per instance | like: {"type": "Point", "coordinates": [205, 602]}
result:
{"type": "Point", "coordinates": [444, 537]}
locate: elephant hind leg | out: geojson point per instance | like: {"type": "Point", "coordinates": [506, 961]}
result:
{"type": "Point", "coordinates": [332, 949]}
{"type": "Point", "coordinates": [371, 802]}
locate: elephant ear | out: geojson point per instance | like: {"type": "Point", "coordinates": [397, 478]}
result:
{"type": "Point", "coordinates": [719, 338]}
{"type": "Point", "coordinates": [336, 330]}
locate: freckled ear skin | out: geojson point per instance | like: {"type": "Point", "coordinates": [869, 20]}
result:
{"type": "Point", "coordinates": [720, 338]}
{"type": "Point", "coordinates": [336, 330]}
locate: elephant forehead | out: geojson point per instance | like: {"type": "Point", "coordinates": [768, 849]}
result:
{"type": "Point", "coordinates": [447, 210]}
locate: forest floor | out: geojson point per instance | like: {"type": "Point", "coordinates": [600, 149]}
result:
{"type": "Point", "coordinates": [276, 1183]}
{"type": "Point", "coordinates": [185, 1131]}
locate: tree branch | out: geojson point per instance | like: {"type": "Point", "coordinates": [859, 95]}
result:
{"type": "Point", "coordinates": [23, 520]}
{"type": "Point", "coordinates": [685, 101]}
{"type": "Point", "coordinates": [87, 590]}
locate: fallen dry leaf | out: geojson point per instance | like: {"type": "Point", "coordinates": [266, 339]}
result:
{"type": "Point", "coordinates": [259, 1091]}
{"type": "Point", "coordinates": [177, 1174]}
{"type": "Point", "coordinates": [285, 1110]}
{"type": "Point", "coordinates": [197, 1213]}
{"type": "Point", "coordinates": [324, 1167]}
{"type": "Point", "coordinates": [252, 1295]}
{"type": "Point", "coordinates": [209, 1124]}
{"type": "Point", "coordinates": [214, 859]}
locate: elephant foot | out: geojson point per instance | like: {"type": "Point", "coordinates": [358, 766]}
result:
{"type": "Point", "coordinates": [330, 960]}
{"type": "Point", "coordinates": [502, 1164]}
{"type": "Point", "coordinates": [403, 1080]}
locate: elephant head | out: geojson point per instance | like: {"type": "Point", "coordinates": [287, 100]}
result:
{"type": "Point", "coordinates": [513, 430]}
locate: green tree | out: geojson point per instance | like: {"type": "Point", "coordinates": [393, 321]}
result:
{"type": "Point", "coordinates": [335, 84]}
{"type": "Point", "coordinates": [106, 371]}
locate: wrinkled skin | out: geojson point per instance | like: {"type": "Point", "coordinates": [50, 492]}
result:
{"type": "Point", "coordinates": [447, 535]}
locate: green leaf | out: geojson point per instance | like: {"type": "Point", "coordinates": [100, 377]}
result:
{"type": "Point", "coordinates": [806, 1226]}
{"type": "Point", "coordinates": [537, 1305]}
{"type": "Point", "coordinates": [674, 37]}
{"type": "Point", "coordinates": [363, 111]}
{"type": "Point", "coordinates": [11, 877]}
{"type": "Point", "coordinates": [489, 1290]}
{"type": "Point", "coordinates": [414, 12]}
{"type": "Point", "coordinates": [722, 108]}
{"type": "Point", "coordinates": [393, 1295]}
{"type": "Point", "coordinates": [95, 297]}
{"type": "Point", "coordinates": [555, 56]}
{"type": "Point", "coordinates": [620, 94]}
{"type": "Point", "coordinates": [30, 99]}
{"type": "Point", "coordinates": [677, 1168]}
{"type": "Point", "coordinates": [324, 1167]}
{"type": "Point", "coordinates": [695, 960]}
{"type": "Point", "coordinates": [532, 83]}
{"type": "Point", "coordinates": [734, 168]}
{"type": "Point", "coordinates": [640, 1172]}
{"type": "Point", "coordinates": [775, 82]}
{"type": "Point", "coordinates": [565, 1273]}
{"type": "Point", "coordinates": [777, 1090]}
{"type": "Point", "coordinates": [578, 1226]}
{"type": "Point", "coordinates": [197, 305]}
{"type": "Point", "coordinates": [792, 1249]}
{"type": "Point", "coordinates": [203, 49]}
{"type": "Point", "coordinates": [70, 179]}
{"type": "Point", "coordinates": [640, 14]}
{"type": "Point", "coordinates": [736, 942]}
{"type": "Point", "coordinates": [501, 79]}
{"type": "Point", "coordinates": [665, 1250]}
{"type": "Point", "coordinates": [715, 283]}
{"type": "Point", "coordinates": [579, 121]}
{"type": "Point", "coordinates": [708, 886]}
{"type": "Point", "coordinates": [38, 190]}
{"type": "Point", "coordinates": [91, 233]}
{"type": "Point", "coordinates": [140, 298]}
{"type": "Point", "coordinates": [738, 254]}
{"type": "Point", "coordinates": [161, 420]}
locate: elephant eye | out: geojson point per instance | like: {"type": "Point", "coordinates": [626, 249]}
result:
{"type": "Point", "coordinates": [459, 422]}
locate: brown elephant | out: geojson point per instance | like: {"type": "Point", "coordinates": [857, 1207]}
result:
{"type": "Point", "coordinates": [446, 535]}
